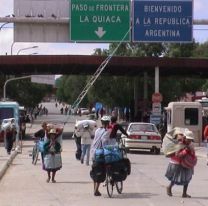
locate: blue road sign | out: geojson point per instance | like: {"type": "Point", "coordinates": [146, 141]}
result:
{"type": "Point", "coordinates": [155, 119]}
{"type": "Point", "coordinates": [162, 20]}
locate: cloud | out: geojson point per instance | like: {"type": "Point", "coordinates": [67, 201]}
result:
{"type": "Point", "coordinates": [70, 48]}
{"type": "Point", "coordinates": [6, 37]}
{"type": "Point", "coordinates": [200, 9]}
{"type": "Point", "coordinates": [6, 7]}
{"type": "Point", "coordinates": [46, 48]}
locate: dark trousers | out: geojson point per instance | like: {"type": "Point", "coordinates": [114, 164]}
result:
{"type": "Point", "coordinates": [9, 144]}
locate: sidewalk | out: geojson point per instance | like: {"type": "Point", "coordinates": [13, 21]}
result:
{"type": "Point", "coordinates": [5, 159]}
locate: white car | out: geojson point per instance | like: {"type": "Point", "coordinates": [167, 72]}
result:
{"type": "Point", "coordinates": [143, 136]}
{"type": "Point", "coordinates": [84, 111]}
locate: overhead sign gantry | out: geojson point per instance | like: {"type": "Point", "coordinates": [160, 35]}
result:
{"type": "Point", "coordinates": [103, 20]}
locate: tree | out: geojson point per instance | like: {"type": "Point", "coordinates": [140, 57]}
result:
{"type": "Point", "coordinates": [27, 93]}
{"type": "Point", "coordinates": [180, 50]}
{"type": "Point", "coordinates": [119, 91]}
{"type": "Point", "coordinates": [178, 86]}
{"type": "Point", "coordinates": [201, 50]}
{"type": "Point", "coordinates": [70, 87]}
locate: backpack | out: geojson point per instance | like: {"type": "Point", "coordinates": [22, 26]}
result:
{"type": "Point", "coordinates": [98, 172]}
{"type": "Point", "coordinates": [118, 171]}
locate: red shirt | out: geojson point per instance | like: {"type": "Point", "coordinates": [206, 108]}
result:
{"type": "Point", "coordinates": [206, 132]}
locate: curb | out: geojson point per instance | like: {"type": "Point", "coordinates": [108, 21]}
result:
{"type": "Point", "coordinates": [8, 162]}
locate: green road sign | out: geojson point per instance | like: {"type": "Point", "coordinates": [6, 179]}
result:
{"type": "Point", "coordinates": [100, 20]}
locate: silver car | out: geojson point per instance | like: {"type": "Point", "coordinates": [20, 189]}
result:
{"type": "Point", "coordinates": [143, 136]}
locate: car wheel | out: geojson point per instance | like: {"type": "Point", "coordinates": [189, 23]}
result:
{"type": "Point", "coordinates": [156, 151]}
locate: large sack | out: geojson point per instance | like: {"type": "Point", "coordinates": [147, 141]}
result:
{"type": "Point", "coordinates": [7, 123]}
{"type": "Point", "coordinates": [59, 131]}
{"type": "Point", "coordinates": [99, 155]}
{"type": "Point", "coordinates": [112, 153]}
{"type": "Point", "coordinates": [5, 126]}
{"type": "Point", "coordinates": [170, 143]}
{"type": "Point", "coordinates": [92, 123]}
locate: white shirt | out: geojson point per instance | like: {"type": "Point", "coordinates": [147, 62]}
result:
{"type": "Point", "coordinates": [86, 136]}
{"type": "Point", "coordinates": [102, 138]}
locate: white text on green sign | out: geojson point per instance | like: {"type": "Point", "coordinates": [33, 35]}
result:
{"type": "Point", "coordinates": [100, 20]}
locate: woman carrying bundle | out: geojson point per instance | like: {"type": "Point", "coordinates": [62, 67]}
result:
{"type": "Point", "coordinates": [52, 155]}
{"type": "Point", "coordinates": [182, 162]}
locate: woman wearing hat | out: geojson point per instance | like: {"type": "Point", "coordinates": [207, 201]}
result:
{"type": "Point", "coordinates": [52, 157]}
{"type": "Point", "coordinates": [178, 173]}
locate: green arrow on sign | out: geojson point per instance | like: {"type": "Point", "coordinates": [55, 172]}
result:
{"type": "Point", "coordinates": [100, 20]}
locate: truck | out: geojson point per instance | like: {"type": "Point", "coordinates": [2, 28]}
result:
{"type": "Point", "coordinates": [186, 115]}
{"type": "Point", "coordinates": [9, 110]}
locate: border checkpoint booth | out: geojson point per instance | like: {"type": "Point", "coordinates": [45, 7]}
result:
{"type": "Point", "coordinates": [186, 115]}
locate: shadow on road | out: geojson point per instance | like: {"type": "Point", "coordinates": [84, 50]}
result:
{"type": "Point", "coordinates": [141, 152]}
{"type": "Point", "coordinates": [75, 182]}
{"type": "Point", "coordinates": [134, 195]}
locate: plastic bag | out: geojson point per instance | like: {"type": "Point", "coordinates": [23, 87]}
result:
{"type": "Point", "coordinates": [112, 153]}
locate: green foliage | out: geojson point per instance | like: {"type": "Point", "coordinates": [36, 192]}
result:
{"type": "Point", "coordinates": [119, 91]}
{"type": "Point", "coordinates": [112, 91]}
{"type": "Point", "coordinates": [180, 50]}
{"type": "Point", "coordinates": [138, 49]}
{"type": "Point", "coordinates": [70, 87]}
{"type": "Point", "coordinates": [201, 50]}
{"type": "Point", "coordinates": [27, 93]}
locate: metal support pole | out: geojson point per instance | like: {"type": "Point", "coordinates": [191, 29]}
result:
{"type": "Point", "coordinates": [31, 47]}
{"type": "Point", "coordinates": [136, 96]}
{"type": "Point", "coordinates": [157, 84]}
{"type": "Point", "coordinates": [3, 25]}
{"type": "Point", "coordinates": [145, 85]}
{"type": "Point", "coordinates": [12, 48]}
{"type": "Point", "coordinates": [64, 20]}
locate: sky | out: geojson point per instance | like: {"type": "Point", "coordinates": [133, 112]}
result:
{"type": "Point", "coordinates": [200, 33]}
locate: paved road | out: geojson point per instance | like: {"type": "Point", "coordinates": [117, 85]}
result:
{"type": "Point", "coordinates": [25, 184]}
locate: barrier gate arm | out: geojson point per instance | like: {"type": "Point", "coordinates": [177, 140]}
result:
{"type": "Point", "coordinates": [95, 76]}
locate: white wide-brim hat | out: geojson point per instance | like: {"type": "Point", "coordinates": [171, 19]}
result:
{"type": "Point", "coordinates": [189, 135]}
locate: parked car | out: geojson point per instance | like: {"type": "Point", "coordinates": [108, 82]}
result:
{"type": "Point", "coordinates": [143, 136]}
{"type": "Point", "coordinates": [84, 111]}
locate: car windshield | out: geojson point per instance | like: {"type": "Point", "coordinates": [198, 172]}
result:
{"type": "Point", "coordinates": [142, 127]}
